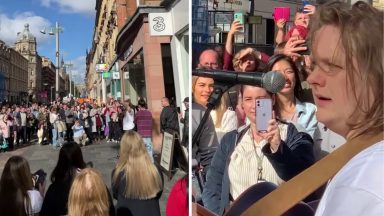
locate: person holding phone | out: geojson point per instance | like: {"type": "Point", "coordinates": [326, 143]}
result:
{"type": "Point", "coordinates": [247, 156]}
{"type": "Point", "coordinates": [290, 105]}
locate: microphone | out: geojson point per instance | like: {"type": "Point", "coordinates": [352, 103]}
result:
{"type": "Point", "coordinates": [272, 81]}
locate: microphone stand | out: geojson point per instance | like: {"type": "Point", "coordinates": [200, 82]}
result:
{"type": "Point", "coordinates": [214, 99]}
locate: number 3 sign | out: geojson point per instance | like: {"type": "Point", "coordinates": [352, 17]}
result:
{"type": "Point", "coordinates": [160, 24]}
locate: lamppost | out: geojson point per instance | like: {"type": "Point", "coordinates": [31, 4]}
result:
{"type": "Point", "coordinates": [55, 31]}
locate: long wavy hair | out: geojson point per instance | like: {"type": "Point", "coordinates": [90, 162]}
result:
{"type": "Point", "coordinates": [88, 195]}
{"type": "Point", "coordinates": [15, 182]}
{"type": "Point", "coordinates": [143, 179]}
{"type": "Point", "coordinates": [361, 29]}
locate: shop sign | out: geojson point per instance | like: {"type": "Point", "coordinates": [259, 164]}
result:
{"type": "Point", "coordinates": [115, 75]}
{"type": "Point", "coordinates": [223, 18]}
{"type": "Point", "coordinates": [101, 67]}
{"type": "Point", "coordinates": [160, 24]}
{"type": "Point", "coordinates": [229, 5]}
{"type": "Point", "coordinates": [106, 75]}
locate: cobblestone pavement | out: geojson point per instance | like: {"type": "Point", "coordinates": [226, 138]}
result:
{"type": "Point", "coordinates": [103, 157]}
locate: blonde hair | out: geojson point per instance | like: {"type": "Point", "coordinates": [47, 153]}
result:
{"type": "Point", "coordinates": [142, 178]}
{"type": "Point", "coordinates": [361, 29]}
{"type": "Point", "coordinates": [259, 66]}
{"type": "Point", "coordinates": [88, 195]}
{"type": "Point", "coordinates": [220, 109]}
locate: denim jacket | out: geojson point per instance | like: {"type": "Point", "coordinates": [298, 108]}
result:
{"type": "Point", "coordinates": [293, 156]}
{"type": "Point", "coordinates": [306, 117]}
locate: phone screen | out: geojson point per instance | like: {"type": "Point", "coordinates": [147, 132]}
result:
{"type": "Point", "coordinates": [263, 113]}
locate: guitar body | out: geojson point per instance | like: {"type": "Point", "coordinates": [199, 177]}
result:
{"type": "Point", "coordinates": [252, 195]}
{"type": "Point", "coordinates": [258, 191]}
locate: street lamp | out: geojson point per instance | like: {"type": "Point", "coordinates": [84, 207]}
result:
{"type": "Point", "coordinates": [55, 31]}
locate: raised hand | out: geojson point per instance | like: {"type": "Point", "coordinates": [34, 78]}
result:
{"type": "Point", "coordinates": [291, 48]}
{"type": "Point", "coordinates": [280, 24]}
{"type": "Point", "coordinates": [273, 134]}
{"type": "Point", "coordinates": [235, 27]}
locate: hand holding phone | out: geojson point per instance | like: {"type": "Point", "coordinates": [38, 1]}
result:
{"type": "Point", "coordinates": [239, 17]}
{"type": "Point", "coordinates": [263, 114]}
{"type": "Point", "coordinates": [266, 123]}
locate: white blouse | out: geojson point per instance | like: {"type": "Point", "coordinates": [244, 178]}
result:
{"type": "Point", "coordinates": [243, 166]}
{"type": "Point", "coordinates": [36, 201]}
{"type": "Point", "coordinates": [228, 123]}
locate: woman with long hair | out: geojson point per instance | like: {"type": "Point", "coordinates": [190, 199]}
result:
{"type": "Point", "coordinates": [69, 163]}
{"type": "Point", "coordinates": [17, 196]}
{"type": "Point", "coordinates": [89, 195]}
{"type": "Point", "coordinates": [289, 104]}
{"type": "Point", "coordinates": [137, 183]}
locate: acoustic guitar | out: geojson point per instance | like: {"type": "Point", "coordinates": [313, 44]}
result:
{"type": "Point", "coordinates": [253, 194]}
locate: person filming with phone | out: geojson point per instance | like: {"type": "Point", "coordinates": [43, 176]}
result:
{"type": "Point", "coordinates": [265, 150]}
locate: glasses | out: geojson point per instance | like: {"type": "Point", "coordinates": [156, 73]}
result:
{"type": "Point", "coordinates": [212, 65]}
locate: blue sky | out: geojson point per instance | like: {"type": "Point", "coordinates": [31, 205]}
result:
{"type": "Point", "coordinates": [77, 17]}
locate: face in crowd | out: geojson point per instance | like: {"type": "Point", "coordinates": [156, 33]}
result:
{"type": "Point", "coordinates": [249, 96]}
{"type": "Point", "coordinates": [202, 89]}
{"type": "Point", "coordinates": [209, 60]}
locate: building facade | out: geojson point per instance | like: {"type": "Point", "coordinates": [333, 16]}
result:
{"type": "Point", "coordinates": [26, 45]}
{"type": "Point", "coordinates": [145, 60]}
{"type": "Point", "coordinates": [48, 75]}
{"type": "Point", "coordinates": [13, 79]}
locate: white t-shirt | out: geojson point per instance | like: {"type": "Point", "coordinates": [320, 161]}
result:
{"type": "Point", "coordinates": [128, 120]}
{"type": "Point", "coordinates": [358, 188]}
{"type": "Point", "coordinates": [36, 201]}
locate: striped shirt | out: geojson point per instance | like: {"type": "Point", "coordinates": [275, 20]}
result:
{"type": "Point", "coordinates": [143, 120]}
{"type": "Point", "coordinates": [243, 165]}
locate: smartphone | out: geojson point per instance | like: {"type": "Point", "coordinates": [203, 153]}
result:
{"type": "Point", "coordinates": [263, 113]}
{"type": "Point", "coordinates": [238, 16]}
{"type": "Point", "coordinates": [304, 3]}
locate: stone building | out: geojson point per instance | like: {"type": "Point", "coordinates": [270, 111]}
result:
{"type": "Point", "coordinates": [13, 71]}
{"type": "Point", "coordinates": [26, 45]}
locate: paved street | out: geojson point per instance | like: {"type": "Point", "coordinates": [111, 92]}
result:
{"type": "Point", "coordinates": [102, 155]}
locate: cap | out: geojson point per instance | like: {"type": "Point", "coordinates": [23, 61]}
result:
{"type": "Point", "coordinates": [186, 99]}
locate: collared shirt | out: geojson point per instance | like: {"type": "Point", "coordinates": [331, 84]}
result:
{"type": "Point", "coordinates": [243, 166]}
{"type": "Point", "coordinates": [306, 117]}
{"type": "Point", "coordinates": [143, 120]}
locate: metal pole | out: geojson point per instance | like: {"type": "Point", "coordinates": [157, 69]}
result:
{"type": "Point", "coordinates": [70, 82]}
{"type": "Point", "coordinates": [57, 59]}
{"type": "Point", "coordinates": [103, 90]}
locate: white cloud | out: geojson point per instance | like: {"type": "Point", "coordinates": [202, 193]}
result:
{"type": "Point", "coordinates": [78, 69]}
{"type": "Point", "coordinates": [9, 26]}
{"type": "Point", "coordinates": [86, 7]}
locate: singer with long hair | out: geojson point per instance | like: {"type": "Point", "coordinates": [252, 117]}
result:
{"type": "Point", "coordinates": [247, 156]}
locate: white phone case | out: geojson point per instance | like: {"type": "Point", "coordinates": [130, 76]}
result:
{"type": "Point", "coordinates": [263, 113]}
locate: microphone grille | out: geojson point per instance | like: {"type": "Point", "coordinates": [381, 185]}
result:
{"type": "Point", "coordinates": [273, 81]}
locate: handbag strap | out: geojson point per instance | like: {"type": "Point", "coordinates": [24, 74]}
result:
{"type": "Point", "coordinates": [299, 187]}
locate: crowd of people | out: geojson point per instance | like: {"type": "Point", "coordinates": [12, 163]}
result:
{"type": "Point", "coordinates": [75, 187]}
{"type": "Point", "coordinates": [326, 52]}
